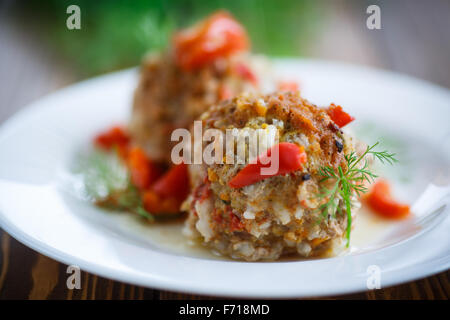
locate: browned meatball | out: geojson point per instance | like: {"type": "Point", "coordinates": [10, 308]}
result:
{"type": "Point", "coordinates": [277, 215]}
{"type": "Point", "coordinates": [168, 97]}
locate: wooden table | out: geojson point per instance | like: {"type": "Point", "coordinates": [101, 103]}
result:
{"type": "Point", "coordinates": [414, 39]}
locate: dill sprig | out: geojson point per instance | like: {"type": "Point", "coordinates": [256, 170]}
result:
{"type": "Point", "coordinates": [126, 199]}
{"type": "Point", "coordinates": [107, 183]}
{"type": "Point", "coordinates": [349, 182]}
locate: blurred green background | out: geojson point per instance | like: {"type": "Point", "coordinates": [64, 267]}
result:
{"type": "Point", "coordinates": [116, 33]}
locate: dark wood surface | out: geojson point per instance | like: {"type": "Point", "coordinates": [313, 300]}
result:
{"type": "Point", "coordinates": [26, 274]}
{"type": "Point", "coordinates": [414, 39]}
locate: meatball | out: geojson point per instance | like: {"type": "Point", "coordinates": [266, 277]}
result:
{"type": "Point", "coordinates": [168, 97]}
{"type": "Point", "coordinates": [205, 64]}
{"type": "Point", "coordinates": [278, 215]}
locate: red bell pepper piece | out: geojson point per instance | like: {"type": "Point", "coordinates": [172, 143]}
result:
{"type": "Point", "coordinates": [291, 157]}
{"type": "Point", "coordinates": [381, 202]}
{"type": "Point", "coordinates": [203, 191]}
{"type": "Point", "coordinates": [218, 36]}
{"type": "Point", "coordinates": [235, 222]}
{"type": "Point", "coordinates": [143, 172]}
{"type": "Point", "coordinates": [339, 116]}
{"type": "Point", "coordinates": [288, 86]}
{"type": "Point", "coordinates": [225, 93]}
{"type": "Point", "coordinates": [157, 205]}
{"type": "Point", "coordinates": [246, 73]}
{"type": "Point", "coordinates": [174, 183]}
{"type": "Point", "coordinates": [116, 136]}
{"type": "Point", "coordinates": [168, 192]}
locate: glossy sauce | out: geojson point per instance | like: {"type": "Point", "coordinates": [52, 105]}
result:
{"type": "Point", "coordinates": [368, 230]}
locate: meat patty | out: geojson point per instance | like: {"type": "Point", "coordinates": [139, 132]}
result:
{"type": "Point", "coordinates": [169, 97]}
{"type": "Point", "coordinates": [278, 215]}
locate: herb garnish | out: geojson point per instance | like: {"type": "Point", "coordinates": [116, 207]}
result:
{"type": "Point", "coordinates": [349, 181]}
{"type": "Point", "coordinates": [107, 183]}
{"type": "Point", "coordinates": [128, 199]}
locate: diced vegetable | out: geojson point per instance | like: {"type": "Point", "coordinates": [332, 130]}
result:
{"type": "Point", "coordinates": [147, 194]}
{"type": "Point", "coordinates": [218, 36]}
{"type": "Point", "coordinates": [288, 86]}
{"type": "Point", "coordinates": [291, 157]}
{"type": "Point", "coordinates": [174, 183]}
{"type": "Point", "coordinates": [160, 206]}
{"type": "Point", "coordinates": [142, 171]}
{"type": "Point", "coordinates": [116, 136]}
{"type": "Point", "coordinates": [246, 73]}
{"type": "Point", "coordinates": [168, 192]}
{"type": "Point", "coordinates": [235, 222]}
{"type": "Point", "coordinates": [339, 116]}
{"type": "Point", "coordinates": [203, 191]}
{"type": "Point", "coordinates": [381, 202]}
{"type": "Point", "coordinates": [225, 92]}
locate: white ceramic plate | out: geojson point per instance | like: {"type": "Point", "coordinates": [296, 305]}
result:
{"type": "Point", "coordinates": [37, 207]}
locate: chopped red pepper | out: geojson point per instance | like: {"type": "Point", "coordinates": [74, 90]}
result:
{"type": "Point", "coordinates": [381, 202]}
{"type": "Point", "coordinates": [217, 216]}
{"type": "Point", "coordinates": [156, 205]}
{"type": "Point", "coordinates": [291, 157]}
{"type": "Point", "coordinates": [116, 136]}
{"type": "Point", "coordinates": [288, 86]}
{"type": "Point", "coordinates": [246, 73]}
{"type": "Point", "coordinates": [143, 172]}
{"type": "Point", "coordinates": [225, 92]}
{"type": "Point", "coordinates": [174, 183]}
{"type": "Point", "coordinates": [235, 222]}
{"type": "Point", "coordinates": [168, 192]}
{"type": "Point", "coordinates": [203, 191]}
{"type": "Point", "coordinates": [339, 116]}
{"type": "Point", "coordinates": [218, 36]}
{"type": "Point", "coordinates": [151, 201]}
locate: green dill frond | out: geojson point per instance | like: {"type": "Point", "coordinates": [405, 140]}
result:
{"type": "Point", "coordinates": [348, 183]}
{"type": "Point", "coordinates": [107, 183]}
